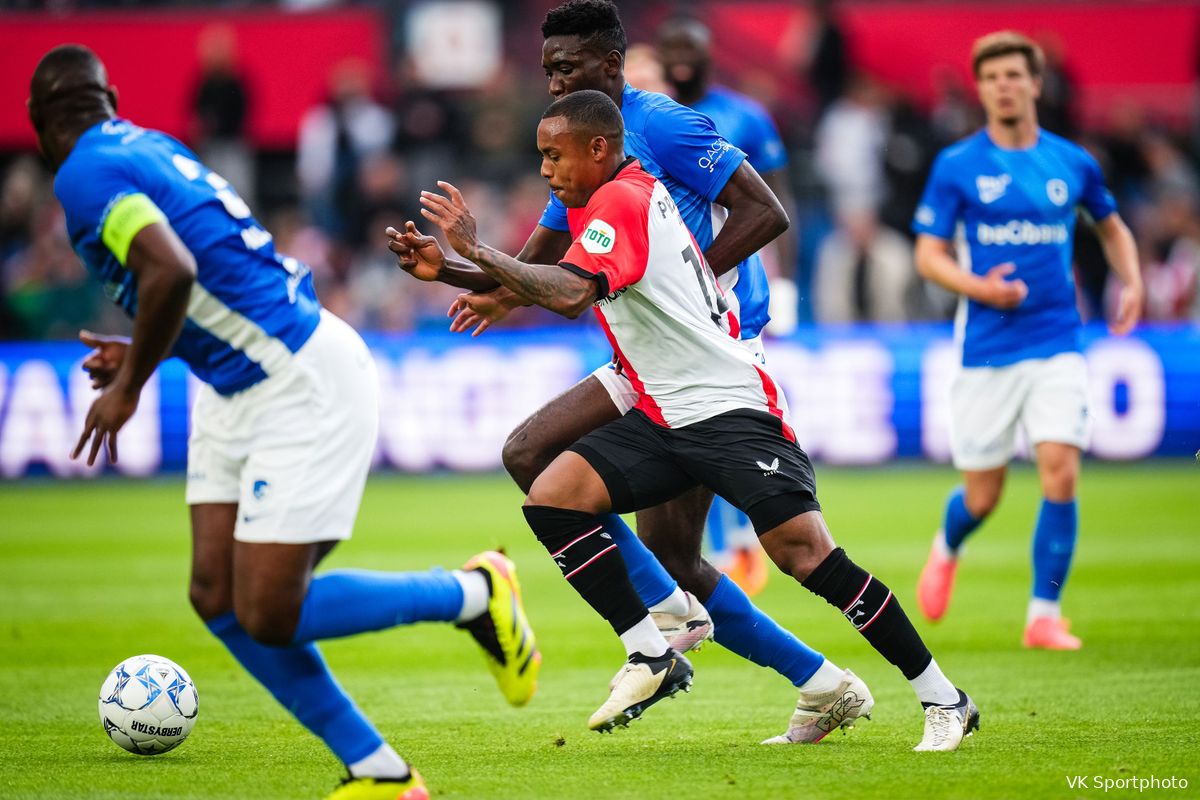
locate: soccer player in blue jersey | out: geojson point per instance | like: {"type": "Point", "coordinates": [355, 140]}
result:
{"type": "Point", "coordinates": [283, 430]}
{"type": "Point", "coordinates": [634, 261]}
{"type": "Point", "coordinates": [685, 51]}
{"type": "Point", "coordinates": [1012, 190]}
{"type": "Point", "coordinates": [584, 49]}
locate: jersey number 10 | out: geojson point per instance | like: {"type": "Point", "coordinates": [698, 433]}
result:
{"type": "Point", "coordinates": [713, 299]}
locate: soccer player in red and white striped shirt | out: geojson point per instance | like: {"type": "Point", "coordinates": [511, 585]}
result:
{"type": "Point", "coordinates": [707, 413]}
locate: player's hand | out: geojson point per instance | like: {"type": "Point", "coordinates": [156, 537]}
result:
{"type": "Point", "coordinates": [108, 414]}
{"type": "Point", "coordinates": [1129, 310]}
{"type": "Point", "coordinates": [1002, 293]}
{"type": "Point", "coordinates": [479, 310]}
{"type": "Point", "coordinates": [452, 216]}
{"type": "Point", "coordinates": [108, 353]}
{"type": "Point", "coordinates": [418, 255]}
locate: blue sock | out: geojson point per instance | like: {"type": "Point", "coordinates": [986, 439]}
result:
{"type": "Point", "coordinates": [300, 681]}
{"type": "Point", "coordinates": [1053, 546]}
{"type": "Point", "coordinates": [652, 583]}
{"type": "Point", "coordinates": [958, 522]}
{"type": "Point", "coordinates": [349, 601]}
{"type": "Point", "coordinates": [742, 628]}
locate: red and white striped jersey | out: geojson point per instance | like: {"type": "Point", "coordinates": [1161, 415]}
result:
{"type": "Point", "coordinates": [661, 307]}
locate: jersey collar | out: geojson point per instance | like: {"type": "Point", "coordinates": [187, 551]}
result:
{"type": "Point", "coordinates": [628, 160]}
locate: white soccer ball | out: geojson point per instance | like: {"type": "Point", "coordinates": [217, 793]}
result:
{"type": "Point", "coordinates": [148, 705]}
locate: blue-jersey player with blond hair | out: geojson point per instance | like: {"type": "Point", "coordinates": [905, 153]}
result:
{"type": "Point", "coordinates": [1011, 191]}
{"type": "Point", "coordinates": [283, 430]}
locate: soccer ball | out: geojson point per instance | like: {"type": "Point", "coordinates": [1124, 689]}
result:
{"type": "Point", "coordinates": [148, 705]}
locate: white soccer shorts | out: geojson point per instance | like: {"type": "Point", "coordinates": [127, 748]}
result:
{"type": "Point", "coordinates": [625, 397]}
{"type": "Point", "coordinates": [292, 451]}
{"type": "Point", "coordinates": [1047, 397]}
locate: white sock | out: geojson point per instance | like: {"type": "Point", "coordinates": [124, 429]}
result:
{"type": "Point", "coordinates": [644, 638]}
{"type": "Point", "coordinates": [383, 763]}
{"type": "Point", "coordinates": [932, 686]}
{"type": "Point", "coordinates": [675, 603]}
{"type": "Point", "coordinates": [826, 679]}
{"type": "Point", "coordinates": [1043, 608]}
{"type": "Point", "coordinates": [943, 549]}
{"type": "Point", "coordinates": [475, 594]}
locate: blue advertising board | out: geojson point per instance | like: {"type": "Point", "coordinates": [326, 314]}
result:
{"type": "Point", "coordinates": [859, 395]}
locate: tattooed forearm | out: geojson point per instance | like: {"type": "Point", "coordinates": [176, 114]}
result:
{"type": "Point", "coordinates": [546, 285]}
{"type": "Point", "coordinates": [465, 275]}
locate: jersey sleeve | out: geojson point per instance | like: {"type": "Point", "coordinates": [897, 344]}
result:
{"type": "Point", "coordinates": [554, 216]}
{"type": "Point", "coordinates": [105, 203]}
{"type": "Point", "coordinates": [1096, 198]}
{"type": "Point", "coordinates": [941, 204]}
{"type": "Point", "coordinates": [687, 146]}
{"type": "Point", "coordinates": [614, 246]}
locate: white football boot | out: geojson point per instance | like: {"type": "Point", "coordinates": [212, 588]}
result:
{"type": "Point", "coordinates": [641, 683]}
{"type": "Point", "coordinates": [947, 726]}
{"type": "Point", "coordinates": [819, 714]}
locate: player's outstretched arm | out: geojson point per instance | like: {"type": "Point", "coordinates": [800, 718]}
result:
{"type": "Point", "coordinates": [422, 257]}
{"type": "Point", "coordinates": [479, 310]}
{"type": "Point", "coordinates": [546, 285]}
{"type": "Point", "coordinates": [935, 262]}
{"type": "Point", "coordinates": [1121, 251]}
{"type": "Point", "coordinates": [755, 219]}
{"type": "Point", "coordinates": [165, 271]}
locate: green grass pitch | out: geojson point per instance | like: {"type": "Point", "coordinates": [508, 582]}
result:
{"type": "Point", "coordinates": [91, 573]}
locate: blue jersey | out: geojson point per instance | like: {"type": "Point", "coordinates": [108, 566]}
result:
{"type": "Point", "coordinates": [250, 309]}
{"type": "Point", "coordinates": [1015, 206]}
{"type": "Point", "coordinates": [746, 125]}
{"type": "Point", "coordinates": [681, 148]}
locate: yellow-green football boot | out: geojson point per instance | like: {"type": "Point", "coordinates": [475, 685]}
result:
{"type": "Point", "coordinates": [503, 631]}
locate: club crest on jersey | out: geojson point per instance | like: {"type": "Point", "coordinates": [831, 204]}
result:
{"type": "Point", "coordinates": [599, 237]}
{"type": "Point", "coordinates": [1056, 190]}
{"type": "Point", "coordinates": [992, 187]}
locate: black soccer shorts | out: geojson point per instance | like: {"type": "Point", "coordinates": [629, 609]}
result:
{"type": "Point", "coordinates": [742, 455]}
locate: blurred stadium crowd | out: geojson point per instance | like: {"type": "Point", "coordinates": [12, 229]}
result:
{"type": "Point", "coordinates": [859, 152]}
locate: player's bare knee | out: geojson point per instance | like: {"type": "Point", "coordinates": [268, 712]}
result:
{"type": "Point", "coordinates": [1059, 485]}
{"type": "Point", "coordinates": [210, 598]}
{"type": "Point", "coordinates": [797, 548]}
{"type": "Point", "coordinates": [800, 561]}
{"type": "Point", "coordinates": [522, 462]}
{"type": "Point", "coordinates": [553, 494]}
{"type": "Point", "coordinates": [982, 500]}
{"type": "Point", "coordinates": [271, 624]}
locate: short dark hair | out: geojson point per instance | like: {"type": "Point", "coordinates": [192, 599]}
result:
{"type": "Point", "coordinates": [71, 64]}
{"type": "Point", "coordinates": [590, 113]}
{"type": "Point", "coordinates": [596, 22]}
{"type": "Point", "coordinates": [1006, 43]}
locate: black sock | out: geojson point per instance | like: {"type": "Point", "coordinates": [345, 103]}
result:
{"type": "Point", "coordinates": [872, 609]}
{"type": "Point", "coordinates": [590, 562]}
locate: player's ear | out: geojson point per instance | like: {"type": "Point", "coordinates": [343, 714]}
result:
{"type": "Point", "coordinates": [614, 62]}
{"type": "Point", "coordinates": [599, 148]}
{"type": "Point", "coordinates": [111, 91]}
